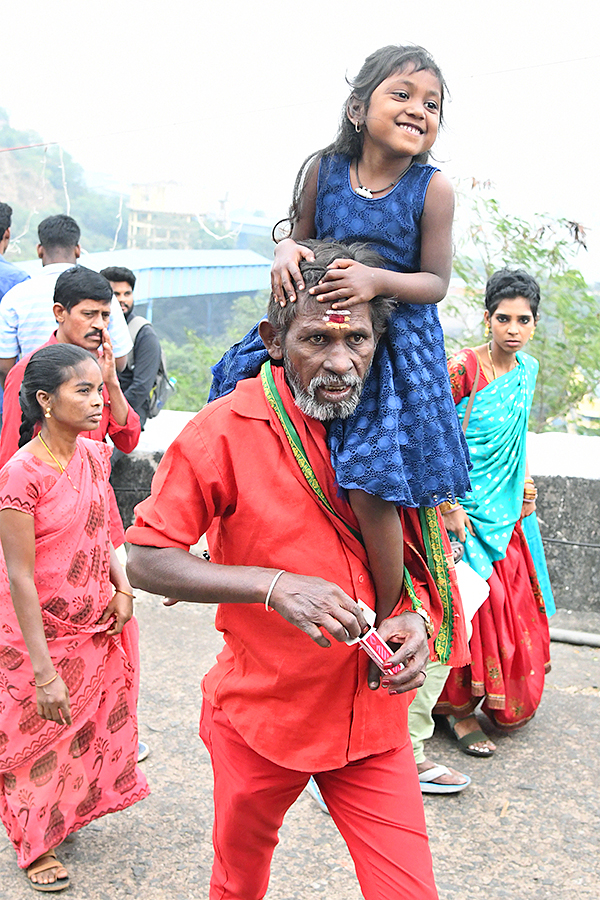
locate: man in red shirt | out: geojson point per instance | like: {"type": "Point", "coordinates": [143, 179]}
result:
{"type": "Point", "coordinates": [82, 306]}
{"type": "Point", "coordinates": [287, 696]}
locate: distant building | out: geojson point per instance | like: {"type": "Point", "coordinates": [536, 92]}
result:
{"type": "Point", "coordinates": [167, 216]}
{"type": "Point", "coordinates": [162, 216]}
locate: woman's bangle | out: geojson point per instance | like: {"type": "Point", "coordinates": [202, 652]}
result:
{"type": "Point", "coordinates": [429, 626]}
{"type": "Point", "coordinates": [270, 591]}
{"type": "Point", "coordinates": [449, 506]}
{"type": "Point", "coordinates": [46, 683]}
{"type": "Point", "coordinates": [127, 593]}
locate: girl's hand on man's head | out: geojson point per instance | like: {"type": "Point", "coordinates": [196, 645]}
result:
{"type": "Point", "coordinates": [286, 277]}
{"type": "Point", "coordinates": [348, 283]}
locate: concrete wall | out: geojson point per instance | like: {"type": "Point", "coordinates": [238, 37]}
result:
{"type": "Point", "coordinates": [568, 504]}
{"type": "Point", "coordinates": [568, 512]}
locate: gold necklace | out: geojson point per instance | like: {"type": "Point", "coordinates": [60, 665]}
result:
{"type": "Point", "coordinates": [491, 360]}
{"type": "Point", "coordinates": [59, 464]}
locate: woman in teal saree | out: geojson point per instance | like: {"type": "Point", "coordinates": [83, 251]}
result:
{"type": "Point", "coordinates": [497, 523]}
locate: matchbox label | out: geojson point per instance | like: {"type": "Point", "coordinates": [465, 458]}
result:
{"type": "Point", "coordinates": [379, 651]}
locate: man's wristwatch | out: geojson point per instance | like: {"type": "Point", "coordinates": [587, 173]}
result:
{"type": "Point", "coordinates": [430, 627]}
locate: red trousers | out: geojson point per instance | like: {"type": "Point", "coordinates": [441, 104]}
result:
{"type": "Point", "coordinates": [376, 803]}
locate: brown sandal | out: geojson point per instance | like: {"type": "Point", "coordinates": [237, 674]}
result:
{"type": "Point", "coordinates": [44, 862]}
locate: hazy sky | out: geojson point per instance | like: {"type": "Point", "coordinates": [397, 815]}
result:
{"type": "Point", "coordinates": [228, 97]}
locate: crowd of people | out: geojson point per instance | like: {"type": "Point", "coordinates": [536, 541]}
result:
{"type": "Point", "coordinates": [416, 517]}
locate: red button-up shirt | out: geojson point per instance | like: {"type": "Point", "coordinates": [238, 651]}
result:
{"type": "Point", "coordinates": [231, 473]}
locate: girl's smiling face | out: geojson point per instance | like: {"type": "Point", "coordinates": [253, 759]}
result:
{"type": "Point", "coordinates": [511, 323]}
{"type": "Point", "coordinates": [403, 115]}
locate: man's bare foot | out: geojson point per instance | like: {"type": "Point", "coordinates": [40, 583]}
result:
{"type": "Point", "coordinates": [462, 728]}
{"type": "Point", "coordinates": [437, 779]}
{"type": "Point", "coordinates": [47, 870]}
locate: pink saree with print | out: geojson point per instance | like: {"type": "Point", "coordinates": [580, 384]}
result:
{"type": "Point", "coordinates": [56, 778]}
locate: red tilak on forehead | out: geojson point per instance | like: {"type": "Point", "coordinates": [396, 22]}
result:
{"type": "Point", "coordinates": [338, 317]}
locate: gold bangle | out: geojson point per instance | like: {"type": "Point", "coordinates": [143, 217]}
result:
{"type": "Point", "coordinates": [46, 683]}
{"type": "Point", "coordinates": [127, 593]}
{"type": "Point", "coordinates": [429, 626]}
{"type": "Point", "coordinates": [449, 506]}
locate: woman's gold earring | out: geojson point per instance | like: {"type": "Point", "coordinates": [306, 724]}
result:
{"type": "Point", "coordinates": [47, 414]}
{"type": "Point", "coordinates": [532, 334]}
{"type": "Point", "coordinates": [486, 330]}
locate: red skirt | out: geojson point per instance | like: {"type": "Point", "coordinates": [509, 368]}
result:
{"type": "Point", "coordinates": [510, 646]}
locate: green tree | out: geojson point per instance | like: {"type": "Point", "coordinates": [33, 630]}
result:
{"type": "Point", "coordinates": [567, 338]}
{"type": "Point", "coordinates": [190, 363]}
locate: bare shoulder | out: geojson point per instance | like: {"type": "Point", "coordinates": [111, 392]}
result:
{"type": "Point", "coordinates": [440, 193]}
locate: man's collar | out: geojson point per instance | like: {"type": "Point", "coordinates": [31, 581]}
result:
{"type": "Point", "coordinates": [51, 268]}
{"type": "Point", "coordinates": [248, 399]}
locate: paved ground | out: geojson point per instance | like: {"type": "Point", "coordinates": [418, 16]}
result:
{"type": "Point", "coordinates": [527, 829]}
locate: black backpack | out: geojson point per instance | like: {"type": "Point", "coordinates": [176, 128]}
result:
{"type": "Point", "coordinates": [163, 386]}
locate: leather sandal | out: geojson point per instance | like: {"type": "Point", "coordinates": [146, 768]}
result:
{"type": "Point", "coordinates": [44, 862]}
{"type": "Point", "coordinates": [473, 737]}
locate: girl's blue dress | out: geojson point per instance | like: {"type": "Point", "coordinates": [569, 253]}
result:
{"type": "Point", "coordinates": [404, 443]}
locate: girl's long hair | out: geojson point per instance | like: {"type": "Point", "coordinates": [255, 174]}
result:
{"type": "Point", "coordinates": [348, 142]}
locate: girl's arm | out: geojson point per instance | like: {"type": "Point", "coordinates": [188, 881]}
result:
{"type": "Point", "coordinates": [286, 277]}
{"type": "Point", "coordinates": [18, 544]}
{"type": "Point", "coordinates": [120, 607]}
{"type": "Point", "coordinates": [349, 282]}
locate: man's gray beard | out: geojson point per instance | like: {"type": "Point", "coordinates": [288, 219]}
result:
{"type": "Point", "coordinates": [306, 398]}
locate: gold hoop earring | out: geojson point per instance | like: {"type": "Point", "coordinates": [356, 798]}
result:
{"type": "Point", "coordinates": [357, 127]}
{"type": "Point", "coordinates": [47, 414]}
{"type": "Point", "coordinates": [486, 330]}
{"type": "Point", "coordinates": [532, 334]}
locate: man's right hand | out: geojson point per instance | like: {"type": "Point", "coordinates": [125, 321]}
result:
{"type": "Point", "coordinates": [313, 603]}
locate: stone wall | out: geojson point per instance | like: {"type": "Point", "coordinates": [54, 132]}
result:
{"type": "Point", "coordinates": [568, 511]}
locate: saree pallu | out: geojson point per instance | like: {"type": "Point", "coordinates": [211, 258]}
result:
{"type": "Point", "coordinates": [510, 646]}
{"type": "Point", "coordinates": [56, 778]}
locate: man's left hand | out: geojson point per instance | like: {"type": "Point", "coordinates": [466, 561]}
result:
{"type": "Point", "coordinates": [407, 629]}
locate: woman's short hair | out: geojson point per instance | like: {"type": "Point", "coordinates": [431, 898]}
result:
{"type": "Point", "coordinates": [505, 284]}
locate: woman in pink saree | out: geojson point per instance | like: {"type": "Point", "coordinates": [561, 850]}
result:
{"type": "Point", "coordinates": [68, 642]}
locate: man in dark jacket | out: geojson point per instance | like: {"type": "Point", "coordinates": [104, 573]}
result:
{"type": "Point", "coordinates": [139, 375]}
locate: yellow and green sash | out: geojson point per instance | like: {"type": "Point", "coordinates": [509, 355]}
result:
{"type": "Point", "coordinates": [432, 539]}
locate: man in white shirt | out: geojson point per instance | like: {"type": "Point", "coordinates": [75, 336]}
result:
{"type": "Point", "coordinates": [26, 312]}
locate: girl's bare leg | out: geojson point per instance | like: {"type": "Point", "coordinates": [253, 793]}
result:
{"type": "Point", "coordinates": [382, 533]}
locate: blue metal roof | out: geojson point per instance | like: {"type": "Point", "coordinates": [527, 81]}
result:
{"type": "Point", "coordinates": [181, 273]}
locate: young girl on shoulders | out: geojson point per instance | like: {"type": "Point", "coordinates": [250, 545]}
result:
{"type": "Point", "coordinates": [403, 446]}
